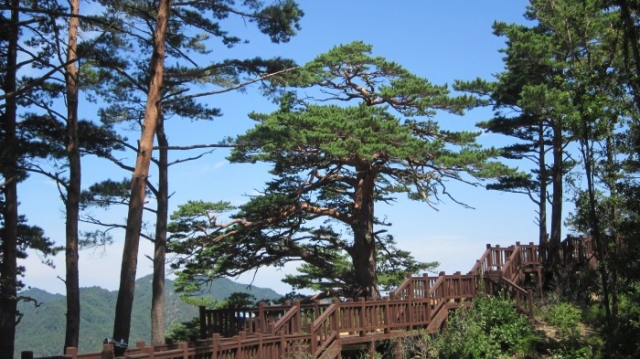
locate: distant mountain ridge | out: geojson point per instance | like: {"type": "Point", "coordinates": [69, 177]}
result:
{"type": "Point", "coordinates": [42, 328]}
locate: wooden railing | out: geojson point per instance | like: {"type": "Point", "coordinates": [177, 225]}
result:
{"type": "Point", "coordinates": [324, 330]}
{"type": "Point", "coordinates": [318, 329]}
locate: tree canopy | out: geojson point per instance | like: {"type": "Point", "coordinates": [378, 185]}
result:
{"type": "Point", "coordinates": [363, 134]}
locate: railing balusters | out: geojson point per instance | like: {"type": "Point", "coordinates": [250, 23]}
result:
{"type": "Point", "coordinates": [276, 331]}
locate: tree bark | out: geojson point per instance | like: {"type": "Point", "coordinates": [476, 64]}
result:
{"type": "Point", "coordinates": [542, 205]}
{"type": "Point", "coordinates": [72, 206]}
{"type": "Point", "coordinates": [610, 181]}
{"type": "Point", "coordinates": [596, 233]}
{"type": "Point", "coordinates": [631, 40]}
{"type": "Point", "coordinates": [9, 266]}
{"type": "Point", "coordinates": [160, 244]}
{"type": "Point", "coordinates": [124, 304]}
{"type": "Point", "coordinates": [557, 177]}
{"type": "Point", "coordinates": [364, 245]}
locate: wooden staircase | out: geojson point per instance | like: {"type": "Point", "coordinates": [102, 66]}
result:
{"type": "Point", "coordinates": [323, 329]}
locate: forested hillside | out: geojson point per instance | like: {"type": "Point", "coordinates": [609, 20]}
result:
{"type": "Point", "coordinates": [42, 327]}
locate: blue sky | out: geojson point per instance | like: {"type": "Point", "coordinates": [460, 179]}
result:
{"type": "Point", "coordinates": [439, 40]}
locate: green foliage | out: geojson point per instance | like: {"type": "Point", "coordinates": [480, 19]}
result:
{"type": "Point", "coordinates": [566, 318]}
{"type": "Point", "coordinates": [334, 156]}
{"type": "Point", "coordinates": [119, 78]}
{"type": "Point", "coordinates": [183, 332]}
{"type": "Point", "coordinates": [490, 328]}
{"type": "Point", "coordinates": [624, 342]}
{"type": "Point", "coordinates": [237, 300]}
{"type": "Point", "coordinates": [567, 335]}
{"type": "Point", "coordinates": [393, 265]}
{"type": "Point", "coordinates": [530, 104]}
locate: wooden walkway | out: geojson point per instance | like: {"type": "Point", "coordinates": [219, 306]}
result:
{"type": "Point", "coordinates": [322, 330]}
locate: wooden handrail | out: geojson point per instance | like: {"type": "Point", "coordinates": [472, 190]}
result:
{"type": "Point", "coordinates": [512, 266]}
{"type": "Point", "coordinates": [479, 267]}
{"type": "Point", "coordinates": [274, 332]}
{"type": "Point", "coordinates": [318, 340]}
{"type": "Point", "coordinates": [288, 321]}
{"type": "Point", "coordinates": [437, 296]}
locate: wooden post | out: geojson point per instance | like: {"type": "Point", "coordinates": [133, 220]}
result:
{"type": "Point", "coordinates": [530, 302]}
{"type": "Point", "coordinates": [260, 352]}
{"type": "Point", "coordinates": [240, 354]}
{"type": "Point", "coordinates": [539, 279]}
{"type": "Point", "coordinates": [215, 346]}
{"type": "Point", "coordinates": [427, 290]}
{"type": "Point", "coordinates": [409, 319]}
{"type": "Point", "coordinates": [372, 349]}
{"type": "Point", "coordinates": [425, 287]}
{"type": "Point", "coordinates": [387, 317]}
{"type": "Point", "coordinates": [203, 322]}
{"type": "Point", "coordinates": [444, 287]}
{"type": "Point", "coordinates": [532, 253]}
{"type": "Point", "coordinates": [350, 316]}
{"type": "Point", "coordinates": [458, 284]}
{"type": "Point", "coordinates": [184, 347]}
{"type": "Point", "coordinates": [313, 340]}
{"type": "Point", "coordinates": [398, 348]}
{"type": "Point", "coordinates": [149, 350]}
{"type": "Point", "coordinates": [283, 345]}
{"type": "Point", "coordinates": [262, 327]}
{"type": "Point", "coordinates": [297, 320]}
{"type": "Point", "coordinates": [334, 318]}
{"type": "Point", "coordinates": [26, 354]}
{"type": "Point", "coordinates": [362, 316]}
{"type": "Point", "coordinates": [71, 352]}
{"type": "Point", "coordinates": [107, 352]}
{"type": "Point", "coordinates": [410, 293]}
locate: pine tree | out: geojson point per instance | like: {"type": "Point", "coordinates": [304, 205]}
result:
{"type": "Point", "coordinates": [176, 33]}
{"type": "Point", "coordinates": [333, 162]}
{"type": "Point", "coordinates": [527, 97]}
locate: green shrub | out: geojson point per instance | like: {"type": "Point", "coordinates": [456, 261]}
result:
{"type": "Point", "coordinates": [184, 332]}
{"type": "Point", "coordinates": [623, 337]}
{"type": "Point", "coordinates": [490, 328]}
{"type": "Point", "coordinates": [566, 318]}
{"type": "Point", "coordinates": [571, 343]}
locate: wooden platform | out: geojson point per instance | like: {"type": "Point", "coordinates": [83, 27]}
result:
{"type": "Point", "coordinates": [324, 330]}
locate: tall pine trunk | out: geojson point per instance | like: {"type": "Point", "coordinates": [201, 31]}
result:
{"type": "Point", "coordinates": [610, 180]}
{"type": "Point", "coordinates": [364, 245]}
{"type": "Point", "coordinates": [9, 266]}
{"type": "Point", "coordinates": [588, 158]}
{"type": "Point", "coordinates": [542, 205]}
{"type": "Point", "coordinates": [72, 281]}
{"type": "Point", "coordinates": [631, 40]}
{"type": "Point", "coordinates": [557, 176]}
{"type": "Point", "coordinates": [160, 244]}
{"type": "Point", "coordinates": [124, 304]}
